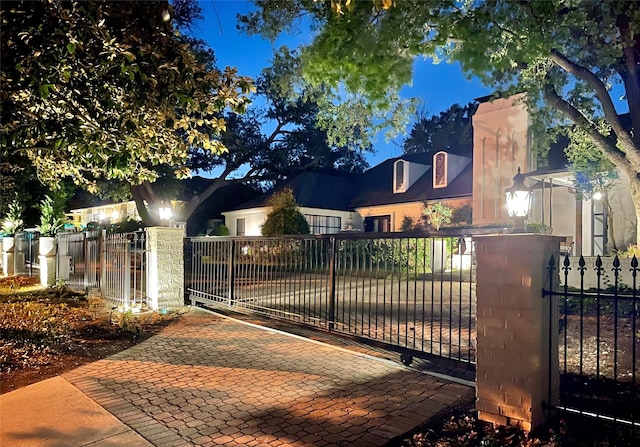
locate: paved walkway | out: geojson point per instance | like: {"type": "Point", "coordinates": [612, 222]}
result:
{"type": "Point", "coordinates": [208, 380]}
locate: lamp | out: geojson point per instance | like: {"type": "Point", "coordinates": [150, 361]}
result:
{"type": "Point", "coordinates": [164, 213]}
{"type": "Point", "coordinates": [518, 202]}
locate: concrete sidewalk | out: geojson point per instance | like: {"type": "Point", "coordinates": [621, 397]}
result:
{"type": "Point", "coordinates": [208, 380]}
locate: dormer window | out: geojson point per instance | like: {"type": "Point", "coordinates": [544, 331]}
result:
{"type": "Point", "coordinates": [400, 181]}
{"type": "Point", "coordinates": [440, 171]}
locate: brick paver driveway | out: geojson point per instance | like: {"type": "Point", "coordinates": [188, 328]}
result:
{"type": "Point", "coordinates": [208, 380]}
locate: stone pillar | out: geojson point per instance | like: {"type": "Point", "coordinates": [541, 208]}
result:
{"type": "Point", "coordinates": [165, 267]}
{"type": "Point", "coordinates": [8, 246]}
{"type": "Point", "coordinates": [514, 324]}
{"type": "Point", "coordinates": [47, 249]}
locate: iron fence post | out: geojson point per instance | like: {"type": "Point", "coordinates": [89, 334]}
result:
{"type": "Point", "coordinates": [87, 258]}
{"type": "Point", "coordinates": [332, 283]}
{"type": "Point", "coordinates": [232, 268]}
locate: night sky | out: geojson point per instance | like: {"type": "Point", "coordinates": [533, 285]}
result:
{"type": "Point", "coordinates": [437, 86]}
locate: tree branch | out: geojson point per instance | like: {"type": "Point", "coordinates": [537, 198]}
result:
{"type": "Point", "coordinates": [601, 93]}
{"type": "Point", "coordinates": [605, 144]}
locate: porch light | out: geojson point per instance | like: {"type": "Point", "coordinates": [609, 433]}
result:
{"type": "Point", "coordinates": [518, 202]}
{"type": "Point", "coordinates": [165, 213]}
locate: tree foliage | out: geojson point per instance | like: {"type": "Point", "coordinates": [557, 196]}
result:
{"type": "Point", "coordinates": [107, 90]}
{"type": "Point", "coordinates": [439, 132]}
{"type": "Point", "coordinates": [566, 54]}
{"type": "Point", "coordinates": [284, 216]}
{"type": "Point", "coordinates": [268, 143]}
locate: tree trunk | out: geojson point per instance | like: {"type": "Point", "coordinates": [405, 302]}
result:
{"type": "Point", "coordinates": [138, 197]}
{"type": "Point", "coordinates": [635, 198]}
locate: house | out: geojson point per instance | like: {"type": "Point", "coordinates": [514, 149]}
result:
{"type": "Point", "coordinates": [87, 209]}
{"type": "Point", "coordinates": [378, 200]}
{"type": "Point", "coordinates": [324, 200]}
{"type": "Point", "coordinates": [471, 177]}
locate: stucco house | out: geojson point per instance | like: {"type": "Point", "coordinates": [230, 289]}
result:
{"type": "Point", "coordinates": [474, 176]}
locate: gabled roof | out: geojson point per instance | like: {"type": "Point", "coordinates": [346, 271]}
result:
{"type": "Point", "coordinates": [312, 190]}
{"type": "Point", "coordinates": [375, 185]}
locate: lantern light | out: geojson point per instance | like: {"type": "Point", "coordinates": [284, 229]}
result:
{"type": "Point", "coordinates": [518, 202]}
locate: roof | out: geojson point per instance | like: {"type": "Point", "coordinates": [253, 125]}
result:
{"type": "Point", "coordinates": [312, 190]}
{"type": "Point", "coordinates": [375, 186]}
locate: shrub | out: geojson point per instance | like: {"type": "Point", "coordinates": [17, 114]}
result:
{"type": "Point", "coordinates": [51, 218]}
{"type": "Point", "coordinates": [13, 222]}
{"type": "Point", "coordinates": [284, 217]}
{"type": "Point", "coordinates": [438, 214]}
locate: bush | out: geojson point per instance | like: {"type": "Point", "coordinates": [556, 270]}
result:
{"type": "Point", "coordinates": [284, 217]}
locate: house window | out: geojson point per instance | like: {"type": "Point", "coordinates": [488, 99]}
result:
{"type": "Point", "coordinates": [440, 171]}
{"type": "Point", "coordinates": [240, 227]}
{"type": "Point", "coordinates": [323, 224]}
{"type": "Point", "coordinates": [377, 224]}
{"type": "Point", "coordinates": [399, 174]}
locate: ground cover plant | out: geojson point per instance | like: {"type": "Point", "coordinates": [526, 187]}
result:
{"type": "Point", "coordinates": [45, 332]}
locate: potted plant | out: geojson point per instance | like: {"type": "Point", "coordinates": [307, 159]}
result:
{"type": "Point", "coordinates": [51, 223]}
{"type": "Point", "coordinates": [11, 225]}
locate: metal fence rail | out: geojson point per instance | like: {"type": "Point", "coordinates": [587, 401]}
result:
{"type": "Point", "coordinates": [115, 263]}
{"type": "Point", "coordinates": [124, 266]}
{"type": "Point", "coordinates": [78, 259]}
{"type": "Point", "coordinates": [26, 254]}
{"type": "Point", "coordinates": [599, 341]}
{"type": "Point", "coordinates": [415, 293]}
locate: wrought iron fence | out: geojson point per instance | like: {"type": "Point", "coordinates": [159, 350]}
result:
{"type": "Point", "coordinates": [415, 294]}
{"type": "Point", "coordinates": [115, 263]}
{"type": "Point", "coordinates": [78, 259]}
{"type": "Point", "coordinates": [599, 338]}
{"type": "Point", "coordinates": [26, 253]}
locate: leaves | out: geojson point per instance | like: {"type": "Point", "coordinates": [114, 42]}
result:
{"type": "Point", "coordinates": [92, 86]}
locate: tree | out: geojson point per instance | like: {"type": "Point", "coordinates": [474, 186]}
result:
{"type": "Point", "coordinates": [439, 132]}
{"type": "Point", "coordinates": [107, 90]}
{"type": "Point", "coordinates": [284, 216]}
{"type": "Point", "coordinates": [294, 143]}
{"type": "Point", "coordinates": [566, 54]}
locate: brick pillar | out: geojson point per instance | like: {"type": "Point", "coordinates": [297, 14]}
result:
{"type": "Point", "coordinates": [165, 268]}
{"type": "Point", "coordinates": [514, 324]}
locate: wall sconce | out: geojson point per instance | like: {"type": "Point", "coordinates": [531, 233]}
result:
{"type": "Point", "coordinates": [518, 203]}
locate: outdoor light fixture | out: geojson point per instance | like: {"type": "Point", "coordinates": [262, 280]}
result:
{"type": "Point", "coordinates": [597, 195]}
{"type": "Point", "coordinates": [165, 213]}
{"type": "Point", "coordinates": [518, 202]}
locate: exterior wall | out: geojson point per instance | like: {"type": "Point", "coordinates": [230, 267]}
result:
{"type": "Point", "coordinates": [411, 209]}
{"type": "Point", "coordinates": [556, 209]}
{"type": "Point", "coordinates": [500, 146]}
{"type": "Point", "coordinates": [623, 212]}
{"type": "Point", "coordinates": [256, 217]}
{"type": "Point", "coordinates": [396, 211]}
{"type": "Point", "coordinates": [165, 268]}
